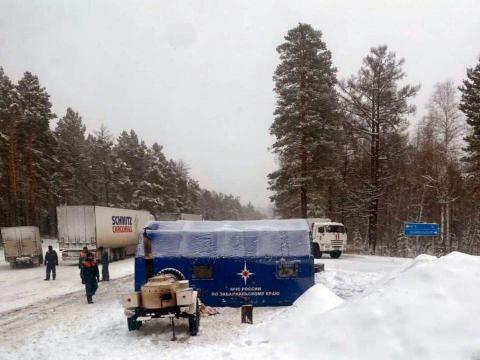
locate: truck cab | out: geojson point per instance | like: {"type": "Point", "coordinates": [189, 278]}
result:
{"type": "Point", "coordinates": [328, 237]}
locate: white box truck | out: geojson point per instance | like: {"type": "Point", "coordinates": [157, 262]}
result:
{"type": "Point", "coordinates": [94, 226]}
{"type": "Point", "coordinates": [327, 237]}
{"type": "Point", "coordinates": [22, 246]}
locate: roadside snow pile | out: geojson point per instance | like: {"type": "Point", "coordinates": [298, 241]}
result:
{"type": "Point", "coordinates": [315, 301]}
{"type": "Point", "coordinates": [427, 309]}
{"type": "Point", "coordinates": [347, 284]}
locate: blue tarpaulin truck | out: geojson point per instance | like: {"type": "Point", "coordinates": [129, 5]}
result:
{"type": "Point", "coordinates": [231, 263]}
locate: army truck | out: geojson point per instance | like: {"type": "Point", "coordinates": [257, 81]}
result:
{"type": "Point", "coordinates": [22, 246]}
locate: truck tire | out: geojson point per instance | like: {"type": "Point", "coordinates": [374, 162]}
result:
{"type": "Point", "coordinates": [194, 321]}
{"type": "Point", "coordinates": [13, 265]}
{"type": "Point", "coordinates": [133, 324]}
{"type": "Point", "coordinates": [171, 271]}
{"type": "Point", "coordinates": [317, 254]}
{"type": "Point", "coordinates": [335, 254]}
{"type": "Point", "coordinates": [115, 255]}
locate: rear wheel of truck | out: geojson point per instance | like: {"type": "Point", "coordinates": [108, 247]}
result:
{"type": "Point", "coordinates": [335, 254]}
{"type": "Point", "coordinates": [194, 321]}
{"type": "Point", "coordinates": [317, 254]}
{"type": "Point", "coordinates": [13, 265]}
{"type": "Point", "coordinates": [133, 324]}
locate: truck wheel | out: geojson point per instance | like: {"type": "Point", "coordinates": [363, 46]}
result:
{"type": "Point", "coordinates": [335, 254]}
{"type": "Point", "coordinates": [13, 265]}
{"type": "Point", "coordinates": [115, 255]}
{"type": "Point", "coordinates": [171, 271]}
{"type": "Point", "coordinates": [317, 254]}
{"type": "Point", "coordinates": [133, 324]}
{"type": "Point", "coordinates": [194, 321]}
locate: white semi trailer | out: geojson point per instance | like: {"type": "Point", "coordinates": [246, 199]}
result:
{"type": "Point", "coordinates": [22, 246]}
{"type": "Point", "coordinates": [93, 226]}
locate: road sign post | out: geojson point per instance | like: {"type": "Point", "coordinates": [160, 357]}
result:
{"type": "Point", "coordinates": [420, 229]}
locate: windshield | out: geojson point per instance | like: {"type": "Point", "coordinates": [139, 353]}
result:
{"type": "Point", "coordinates": [335, 229]}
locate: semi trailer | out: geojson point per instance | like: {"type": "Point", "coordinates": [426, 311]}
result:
{"type": "Point", "coordinates": [114, 229]}
{"type": "Point", "coordinates": [22, 246]}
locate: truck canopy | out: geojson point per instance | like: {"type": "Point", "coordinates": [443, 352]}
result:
{"type": "Point", "coordinates": [260, 238]}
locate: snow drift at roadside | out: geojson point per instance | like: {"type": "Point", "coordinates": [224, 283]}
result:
{"type": "Point", "coordinates": [427, 309]}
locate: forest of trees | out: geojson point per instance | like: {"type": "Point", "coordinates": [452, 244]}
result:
{"type": "Point", "coordinates": [351, 149]}
{"type": "Point", "coordinates": [41, 168]}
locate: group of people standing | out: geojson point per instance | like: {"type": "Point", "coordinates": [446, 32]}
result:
{"type": "Point", "coordinates": [88, 269]}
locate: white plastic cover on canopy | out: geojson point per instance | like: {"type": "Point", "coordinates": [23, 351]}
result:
{"type": "Point", "coordinates": [228, 238]}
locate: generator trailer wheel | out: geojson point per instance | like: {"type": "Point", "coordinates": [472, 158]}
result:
{"type": "Point", "coordinates": [133, 324]}
{"type": "Point", "coordinates": [171, 271]}
{"type": "Point", "coordinates": [194, 320]}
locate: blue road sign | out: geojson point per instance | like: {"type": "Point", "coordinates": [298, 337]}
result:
{"type": "Point", "coordinates": [420, 229]}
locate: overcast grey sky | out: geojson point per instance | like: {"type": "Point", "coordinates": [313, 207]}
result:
{"type": "Point", "coordinates": [196, 76]}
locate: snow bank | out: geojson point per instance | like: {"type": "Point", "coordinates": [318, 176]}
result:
{"type": "Point", "coordinates": [427, 309]}
{"type": "Point", "coordinates": [315, 301]}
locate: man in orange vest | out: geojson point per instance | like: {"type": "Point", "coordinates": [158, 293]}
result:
{"type": "Point", "coordinates": [90, 276]}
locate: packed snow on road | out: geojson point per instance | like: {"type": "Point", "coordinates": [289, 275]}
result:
{"type": "Point", "coordinates": [362, 307]}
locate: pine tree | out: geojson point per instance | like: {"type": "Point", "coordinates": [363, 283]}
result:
{"type": "Point", "coordinates": [470, 106]}
{"type": "Point", "coordinates": [305, 119]}
{"type": "Point", "coordinates": [131, 162]}
{"type": "Point", "coordinates": [155, 184]}
{"type": "Point", "coordinates": [376, 107]}
{"type": "Point", "coordinates": [9, 116]}
{"type": "Point", "coordinates": [100, 163]}
{"type": "Point", "coordinates": [74, 174]}
{"type": "Point", "coordinates": [35, 144]}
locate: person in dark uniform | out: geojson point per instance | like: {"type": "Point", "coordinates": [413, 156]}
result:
{"type": "Point", "coordinates": [81, 259]}
{"type": "Point", "coordinates": [90, 276]}
{"type": "Point", "coordinates": [105, 261]}
{"type": "Point", "coordinates": [51, 261]}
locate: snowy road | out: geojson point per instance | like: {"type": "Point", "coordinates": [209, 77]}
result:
{"type": "Point", "coordinates": [58, 324]}
{"type": "Point", "coordinates": [351, 275]}
{"type": "Point", "coordinates": [22, 287]}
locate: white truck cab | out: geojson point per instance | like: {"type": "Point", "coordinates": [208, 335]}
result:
{"type": "Point", "coordinates": [327, 237]}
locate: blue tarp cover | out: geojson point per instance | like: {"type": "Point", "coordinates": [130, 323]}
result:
{"type": "Point", "coordinates": [228, 238]}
